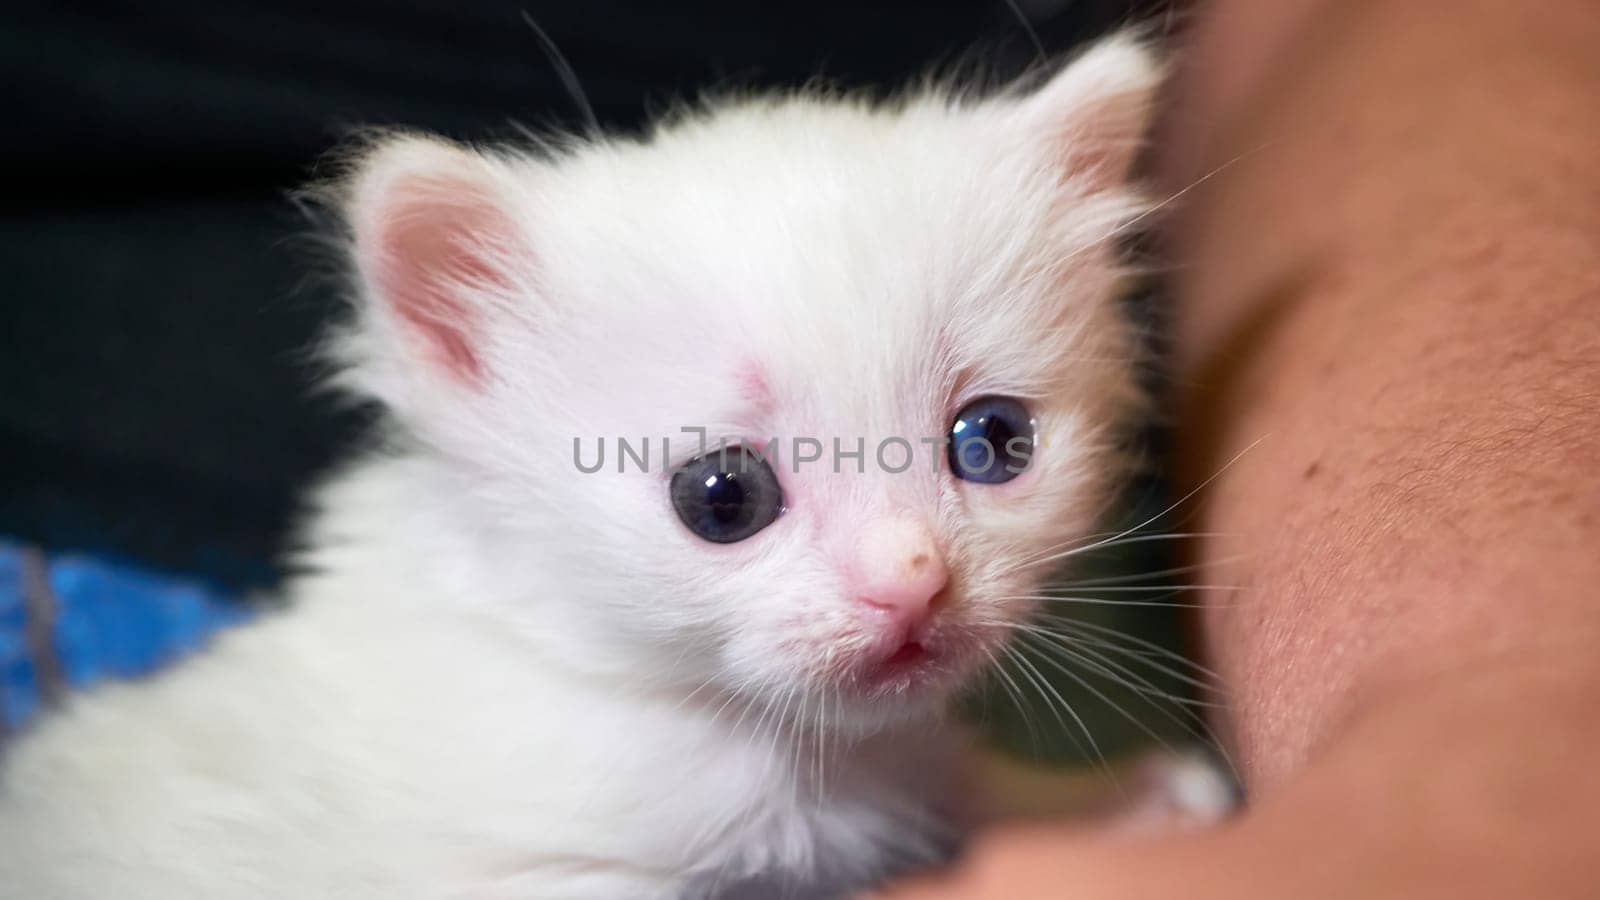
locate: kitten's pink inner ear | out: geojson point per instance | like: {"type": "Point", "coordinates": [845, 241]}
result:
{"type": "Point", "coordinates": [1095, 111]}
{"type": "Point", "coordinates": [1101, 152]}
{"type": "Point", "coordinates": [434, 248]}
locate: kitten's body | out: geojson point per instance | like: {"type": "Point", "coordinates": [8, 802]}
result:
{"type": "Point", "coordinates": [372, 744]}
{"type": "Point", "coordinates": [505, 678]}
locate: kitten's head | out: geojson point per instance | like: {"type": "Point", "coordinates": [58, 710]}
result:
{"type": "Point", "coordinates": [790, 273]}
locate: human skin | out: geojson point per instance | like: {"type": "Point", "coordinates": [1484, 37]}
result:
{"type": "Point", "coordinates": [1388, 319]}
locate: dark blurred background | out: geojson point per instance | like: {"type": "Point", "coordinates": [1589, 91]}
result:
{"type": "Point", "coordinates": [153, 386]}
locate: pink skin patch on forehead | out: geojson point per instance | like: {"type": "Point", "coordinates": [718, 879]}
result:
{"type": "Point", "coordinates": [754, 387]}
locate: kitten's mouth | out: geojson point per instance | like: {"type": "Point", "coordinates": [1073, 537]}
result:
{"type": "Point", "coordinates": [913, 666]}
{"type": "Point", "coordinates": [909, 654]}
{"type": "Point", "coordinates": [916, 664]}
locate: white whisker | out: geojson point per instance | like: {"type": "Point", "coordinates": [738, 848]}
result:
{"type": "Point", "coordinates": [1110, 601]}
{"type": "Point", "coordinates": [1104, 542]}
{"type": "Point", "coordinates": [1091, 583]}
{"type": "Point", "coordinates": [1203, 734]}
{"type": "Point", "coordinates": [1085, 642]}
{"type": "Point", "coordinates": [1047, 692]}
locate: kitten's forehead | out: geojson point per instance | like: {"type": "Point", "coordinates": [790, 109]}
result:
{"type": "Point", "coordinates": [821, 196]}
{"type": "Point", "coordinates": [859, 264]}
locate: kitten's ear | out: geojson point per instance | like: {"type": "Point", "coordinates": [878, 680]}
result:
{"type": "Point", "coordinates": [1092, 115]}
{"type": "Point", "coordinates": [441, 254]}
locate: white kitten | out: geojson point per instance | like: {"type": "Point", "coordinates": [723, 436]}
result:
{"type": "Point", "coordinates": [507, 677]}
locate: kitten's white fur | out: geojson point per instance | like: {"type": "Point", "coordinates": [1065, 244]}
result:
{"type": "Point", "coordinates": [504, 678]}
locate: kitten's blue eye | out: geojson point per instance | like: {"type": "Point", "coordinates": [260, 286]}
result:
{"type": "Point", "coordinates": [726, 496]}
{"type": "Point", "coordinates": [991, 440]}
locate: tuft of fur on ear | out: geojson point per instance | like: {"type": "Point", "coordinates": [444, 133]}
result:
{"type": "Point", "coordinates": [1094, 112]}
{"type": "Point", "coordinates": [440, 255]}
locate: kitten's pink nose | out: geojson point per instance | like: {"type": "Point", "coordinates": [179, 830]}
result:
{"type": "Point", "coordinates": [899, 570]}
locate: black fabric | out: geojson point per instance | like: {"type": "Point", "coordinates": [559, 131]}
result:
{"type": "Point", "coordinates": [153, 395]}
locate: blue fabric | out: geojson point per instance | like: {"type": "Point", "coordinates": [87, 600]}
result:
{"type": "Point", "coordinates": [19, 687]}
{"type": "Point", "coordinates": [111, 620]}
